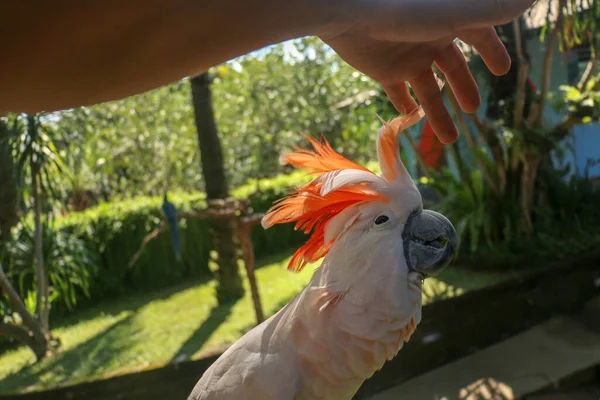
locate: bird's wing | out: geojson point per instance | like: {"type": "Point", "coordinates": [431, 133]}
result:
{"type": "Point", "coordinates": [259, 366]}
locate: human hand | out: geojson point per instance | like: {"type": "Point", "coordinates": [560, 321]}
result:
{"type": "Point", "coordinates": [397, 41]}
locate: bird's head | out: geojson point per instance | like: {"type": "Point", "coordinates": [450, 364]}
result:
{"type": "Point", "coordinates": [372, 226]}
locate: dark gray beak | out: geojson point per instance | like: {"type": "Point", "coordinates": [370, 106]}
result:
{"type": "Point", "coordinates": [429, 242]}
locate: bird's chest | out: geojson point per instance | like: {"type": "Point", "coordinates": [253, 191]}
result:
{"type": "Point", "coordinates": [335, 359]}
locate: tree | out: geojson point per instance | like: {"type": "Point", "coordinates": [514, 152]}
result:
{"type": "Point", "coordinates": [39, 266]}
{"type": "Point", "coordinates": [216, 187]}
{"type": "Point", "coordinates": [510, 150]}
{"type": "Point", "coordinates": [265, 101]}
{"type": "Point", "coordinates": [29, 332]}
{"type": "Point", "coordinates": [142, 145]}
{"type": "Point", "coordinates": [38, 159]}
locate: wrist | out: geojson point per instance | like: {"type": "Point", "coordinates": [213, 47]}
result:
{"type": "Point", "coordinates": [320, 18]}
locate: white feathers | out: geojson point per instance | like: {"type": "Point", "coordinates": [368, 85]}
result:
{"type": "Point", "coordinates": [340, 223]}
{"type": "Point", "coordinates": [337, 179]}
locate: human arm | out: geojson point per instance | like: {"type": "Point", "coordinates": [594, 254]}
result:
{"type": "Point", "coordinates": [68, 53]}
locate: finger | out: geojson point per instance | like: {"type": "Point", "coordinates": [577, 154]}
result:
{"type": "Point", "coordinates": [400, 97]}
{"type": "Point", "coordinates": [454, 66]}
{"type": "Point", "coordinates": [490, 47]}
{"type": "Point", "coordinates": [427, 90]}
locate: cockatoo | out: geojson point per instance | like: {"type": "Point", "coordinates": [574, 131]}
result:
{"type": "Point", "coordinates": [364, 301]}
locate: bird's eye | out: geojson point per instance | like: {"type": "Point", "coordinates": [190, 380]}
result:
{"type": "Point", "coordinates": [382, 219]}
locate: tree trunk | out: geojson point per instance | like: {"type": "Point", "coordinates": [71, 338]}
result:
{"type": "Point", "coordinates": [30, 333]}
{"type": "Point", "coordinates": [535, 117]}
{"type": "Point", "coordinates": [245, 237]}
{"type": "Point", "coordinates": [22, 335]}
{"type": "Point", "coordinates": [590, 68]}
{"type": "Point", "coordinates": [40, 271]}
{"type": "Point", "coordinates": [42, 300]}
{"type": "Point", "coordinates": [519, 108]}
{"type": "Point", "coordinates": [525, 185]}
{"type": "Point", "coordinates": [213, 170]}
{"type": "Point", "coordinates": [8, 188]}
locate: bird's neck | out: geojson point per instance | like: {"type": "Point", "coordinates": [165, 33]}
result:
{"type": "Point", "coordinates": [341, 341]}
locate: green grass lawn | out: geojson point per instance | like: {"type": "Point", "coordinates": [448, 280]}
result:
{"type": "Point", "coordinates": [150, 330]}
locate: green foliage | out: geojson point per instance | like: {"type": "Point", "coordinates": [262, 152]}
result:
{"type": "Point", "coordinates": [137, 146]}
{"type": "Point", "coordinates": [115, 232]}
{"type": "Point", "coordinates": [571, 201]}
{"type": "Point", "coordinates": [38, 153]}
{"type": "Point", "coordinates": [584, 105]}
{"type": "Point", "coordinates": [88, 253]}
{"type": "Point", "coordinates": [264, 102]}
{"type": "Point", "coordinates": [506, 198]}
{"type": "Point", "coordinates": [491, 230]}
{"type": "Point", "coordinates": [69, 262]}
{"type": "Point", "coordinates": [477, 214]}
{"type": "Point", "coordinates": [37, 150]}
{"type": "Point", "coordinates": [580, 27]}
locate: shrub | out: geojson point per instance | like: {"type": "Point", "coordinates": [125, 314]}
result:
{"type": "Point", "coordinates": [491, 234]}
{"type": "Point", "coordinates": [99, 243]}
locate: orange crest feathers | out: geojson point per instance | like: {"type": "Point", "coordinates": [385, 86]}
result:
{"type": "Point", "coordinates": [387, 144]}
{"type": "Point", "coordinates": [323, 159]}
{"type": "Point", "coordinates": [340, 184]}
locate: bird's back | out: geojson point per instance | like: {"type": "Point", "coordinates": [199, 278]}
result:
{"type": "Point", "coordinates": [259, 366]}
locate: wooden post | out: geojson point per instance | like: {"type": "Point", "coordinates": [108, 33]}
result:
{"type": "Point", "coordinates": [245, 223]}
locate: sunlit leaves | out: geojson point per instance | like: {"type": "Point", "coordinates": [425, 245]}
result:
{"type": "Point", "coordinates": [266, 101]}
{"type": "Point", "coordinates": [37, 151]}
{"type": "Point", "coordinates": [263, 102]}
{"type": "Point", "coordinates": [584, 104]}
{"type": "Point", "coordinates": [140, 145]}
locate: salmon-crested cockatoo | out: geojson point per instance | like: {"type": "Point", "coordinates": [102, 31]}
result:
{"type": "Point", "coordinates": [363, 302]}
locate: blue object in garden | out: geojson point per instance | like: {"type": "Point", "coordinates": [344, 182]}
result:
{"type": "Point", "coordinates": [171, 214]}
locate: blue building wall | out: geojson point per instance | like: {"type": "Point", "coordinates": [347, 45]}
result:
{"type": "Point", "coordinates": [584, 144]}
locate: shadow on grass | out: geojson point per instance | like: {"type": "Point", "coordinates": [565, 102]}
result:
{"type": "Point", "coordinates": [282, 255]}
{"type": "Point", "coordinates": [217, 316]}
{"type": "Point", "coordinates": [79, 361]}
{"type": "Point", "coordinates": [137, 299]}
{"type": "Point", "coordinates": [131, 301]}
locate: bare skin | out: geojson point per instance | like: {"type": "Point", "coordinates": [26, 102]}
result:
{"type": "Point", "coordinates": [69, 53]}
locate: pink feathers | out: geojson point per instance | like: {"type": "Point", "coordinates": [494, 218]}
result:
{"type": "Point", "coordinates": [387, 144]}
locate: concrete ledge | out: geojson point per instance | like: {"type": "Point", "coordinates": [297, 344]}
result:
{"type": "Point", "coordinates": [526, 363]}
{"type": "Point", "coordinates": [455, 328]}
